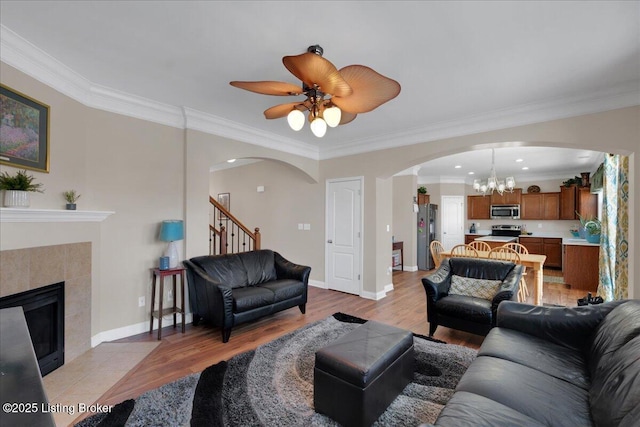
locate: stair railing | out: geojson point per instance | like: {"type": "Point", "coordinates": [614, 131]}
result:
{"type": "Point", "coordinates": [227, 234]}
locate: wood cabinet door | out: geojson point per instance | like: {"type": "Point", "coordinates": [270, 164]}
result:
{"type": "Point", "coordinates": [586, 203]}
{"type": "Point", "coordinates": [532, 206]}
{"type": "Point", "coordinates": [513, 198]}
{"type": "Point", "coordinates": [553, 250]}
{"type": "Point", "coordinates": [581, 267]}
{"type": "Point", "coordinates": [478, 207]}
{"type": "Point", "coordinates": [533, 245]}
{"type": "Point", "coordinates": [568, 202]}
{"type": "Point", "coordinates": [551, 205]}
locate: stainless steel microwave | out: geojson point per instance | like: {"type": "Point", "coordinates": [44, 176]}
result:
{"type": "Point", "coordinates": [505, 211]}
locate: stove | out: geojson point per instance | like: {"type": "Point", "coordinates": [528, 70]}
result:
{"type": "Point", "coordinates": [506, 230]}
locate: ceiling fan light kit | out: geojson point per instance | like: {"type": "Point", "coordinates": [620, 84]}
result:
{"type": "Point", "coordinates": [333, 97]}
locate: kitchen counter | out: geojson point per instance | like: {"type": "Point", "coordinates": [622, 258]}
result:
{"type": "Point", "coordinates": [578, 242]}
{"type": "Point", "coordinates": [497, 239]}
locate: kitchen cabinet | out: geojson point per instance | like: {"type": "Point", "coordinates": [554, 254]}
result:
{"type": "Point", "coordinates": [507, 198]}
{"type": "Point", "coordinates": [580, 199]}
{"type": "Point", "coordinates": [580, 266]}
{"type": "Point", "coordinates": [423, 199]}
{"type": "Point", "coordinates": [478, 207]}
{"type": "Point", "coordinates": [552, 248]}
{"type": "Point", "coordinates": [549, 246]}
{"type": "Point", "coordinates": [540, 206]}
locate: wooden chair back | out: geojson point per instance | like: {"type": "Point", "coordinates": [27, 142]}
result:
{"type": "Point", "coordinates": [480, 245]}
{"type": "Point", "coordinates": [464, 251]}
{"type": "Point", "coordinates": [436, 249]}
{"type": "Point", "coordinates": [520, 248]}
{"type": "Point", "coordinates": [503, 253]}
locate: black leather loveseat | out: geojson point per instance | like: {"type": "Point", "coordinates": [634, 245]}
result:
{"type": "Point", "coordinates": [227, 290]}
{"type": "Point", "coordinates": [551, 366]}
{"type": "Point", "coordinates": [472, 309]}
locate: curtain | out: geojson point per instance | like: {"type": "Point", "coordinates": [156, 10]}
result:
{"type": "Point", "coordinates": [614, 247]}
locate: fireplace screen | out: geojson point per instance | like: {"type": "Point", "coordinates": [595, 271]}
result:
{"type": "Point", "coordinates": [44, 312]}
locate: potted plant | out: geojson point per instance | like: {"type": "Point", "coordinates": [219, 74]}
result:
{"type": "Point", "coordinates": [594, 228]}
{"type": "Point", "coordinates": [17, 188]}
{"type": "Point", "coordinates": [71, 197]}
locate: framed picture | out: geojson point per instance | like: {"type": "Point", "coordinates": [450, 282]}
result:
{"type": "Point", "coordinates": [24, 131]}
{"type": "Point", "coordinates": [224, 200]}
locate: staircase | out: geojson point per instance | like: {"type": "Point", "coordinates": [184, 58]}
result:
{"type": "Point", "coordinates": [227, 235]}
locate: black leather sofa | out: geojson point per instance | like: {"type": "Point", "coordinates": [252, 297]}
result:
{"type": "Point", "coordinates": [227, 290]}
{"type": "Point", "coordinates": [468, 313]}
{"type": "Point", "coordinates": [550, 366]}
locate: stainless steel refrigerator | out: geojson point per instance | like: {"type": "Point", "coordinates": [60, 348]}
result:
{"type": "Point", "coordinates": [427, 227]}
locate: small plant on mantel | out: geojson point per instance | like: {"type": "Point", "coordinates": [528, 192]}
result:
{"type": "Point", "coordinates": [71, 197]}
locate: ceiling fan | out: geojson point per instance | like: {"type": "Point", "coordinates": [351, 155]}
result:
{"type": "Point", "coordinates": [333, 97]}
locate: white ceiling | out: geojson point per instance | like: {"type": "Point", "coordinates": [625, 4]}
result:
{"type": "Point", "coordinates": [464, 67]}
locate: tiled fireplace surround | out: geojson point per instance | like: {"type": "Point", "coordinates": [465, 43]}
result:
{"type": "Point", "coordinates": [31, 268]}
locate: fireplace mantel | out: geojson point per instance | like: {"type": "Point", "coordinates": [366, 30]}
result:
{"type": "Point", "coordinates": [51, 215]}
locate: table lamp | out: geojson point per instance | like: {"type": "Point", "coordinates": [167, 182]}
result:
{"type": "Point", "coordinates": [171, 231]}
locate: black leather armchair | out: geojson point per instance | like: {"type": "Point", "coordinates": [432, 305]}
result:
{"type": "Point", "coordinates": [227, 290]}
{"type": "Point", "coordinates": [468, 313]}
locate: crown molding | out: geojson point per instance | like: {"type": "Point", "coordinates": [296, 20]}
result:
{"type": "Point", "coordinates": [623, 95]}
{"type": "Point", "coordinates": [31, 60]}
{"type": "Point", "coordinates": [204, 122]}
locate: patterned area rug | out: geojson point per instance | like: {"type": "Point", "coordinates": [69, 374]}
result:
{"type": "Point", "coordinates": [273, 385]}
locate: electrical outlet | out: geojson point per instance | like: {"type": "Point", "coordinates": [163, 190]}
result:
{"type": "Point", "coordinates": [170, 295]}
{"type": "Point", "coordinates": [141, 302]}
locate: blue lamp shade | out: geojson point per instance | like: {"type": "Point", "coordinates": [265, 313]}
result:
{"type": "Point", "coordinates": [172, 230]}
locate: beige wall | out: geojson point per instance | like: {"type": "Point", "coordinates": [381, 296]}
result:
{"type": "Point", "coordinates": [147, 172]}
{"type": "Point", "coordinates": [404, 219]}
{"type": "Point", "coordinates": [288, 199]}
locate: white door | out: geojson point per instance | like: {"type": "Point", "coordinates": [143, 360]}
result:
{"type": "Point", "coordinates": [344, 223]}
{"type": "Point", "coordinates": [452, 220]}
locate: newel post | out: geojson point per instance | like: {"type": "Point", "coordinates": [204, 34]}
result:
{"type": "Point", "coordinates": [257, 239]}
{"type": "Point", "coordinates": [223, 240]}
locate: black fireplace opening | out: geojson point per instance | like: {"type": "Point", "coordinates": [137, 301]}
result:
{"type": "Point", "coordinates": [44, 312]}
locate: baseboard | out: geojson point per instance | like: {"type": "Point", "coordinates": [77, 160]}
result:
{"type": "Point", "coordinates": [376, 296]}
{"type": "Point", "coordinates": [410, 268]}
{"type": "Point", "coordinates": [318, 284]}
{"type": "Point", "coordinates": [138, 328]}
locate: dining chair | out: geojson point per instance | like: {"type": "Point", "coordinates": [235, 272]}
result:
{"type": "Point", "coordinates": [436, 249]}
{"type": "Point", "coordinates": [504, 253]}
{"type": "Point", "coordinates": [464, 251]}
{"type": "Point", "coordinates": [480, 245]}
{"type": "Point", "coordinates": [521, 249]}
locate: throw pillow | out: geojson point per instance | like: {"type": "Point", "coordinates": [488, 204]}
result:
{"type": "Point", "coordinates": [479, 288]}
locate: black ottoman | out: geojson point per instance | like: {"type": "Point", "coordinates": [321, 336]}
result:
{"type": "Point", "coordinates": [357, 376]}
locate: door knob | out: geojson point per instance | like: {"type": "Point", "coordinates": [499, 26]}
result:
{"type": "Point", "coordinates": [329, 241]}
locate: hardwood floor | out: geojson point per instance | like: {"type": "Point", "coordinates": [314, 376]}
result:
{"type": "Point", "coordinates": [199, 347]}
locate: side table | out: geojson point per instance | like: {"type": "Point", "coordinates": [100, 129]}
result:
{"type": "Point", "coordinates": [173, 272]}
{"type": "Point", "coordinates": [399, 246]}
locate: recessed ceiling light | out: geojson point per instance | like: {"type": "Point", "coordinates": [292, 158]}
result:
{"type": "Point", "coordinates": [526, 168]}
{"type": "Point", "coordinates": [457, 166]}
{"type": "Point", "coordinates": [471, 173]}
{"type": "Point", "coordinates": [231, 160]}
{"type": "Point", "coordinates": [519, 160]}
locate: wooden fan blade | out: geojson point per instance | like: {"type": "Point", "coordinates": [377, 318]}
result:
{"type": "Point", "coordinates": [370, 89]}
{"type": "Point", "coordinates": [282, 110]}
{"type": "Point", "coordinates": [347, 117]}
{"type": "Point", "coordinates": [314, 70]}
{"type": "Point", "coordinates": [269, 88]}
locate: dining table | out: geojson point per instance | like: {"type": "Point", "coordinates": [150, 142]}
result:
{"type": "Point", "coordinates": [534, 262]}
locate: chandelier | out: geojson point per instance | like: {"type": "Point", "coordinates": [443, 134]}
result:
{"type": "Point", "coordinates": [493, 183]}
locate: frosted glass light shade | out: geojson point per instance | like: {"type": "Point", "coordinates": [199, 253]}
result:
{"type": "Point", "coordinates": [295, 119]}
{"type": "Point", "coordinates": [318, 127]}
{"type": "Point", "coordinates": [476, 184]}
{"type": "Point", "coordinates": [332, 116]}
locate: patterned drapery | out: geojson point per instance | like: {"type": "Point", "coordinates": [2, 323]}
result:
{"type": "Point", "coordinates": [614, 247]}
